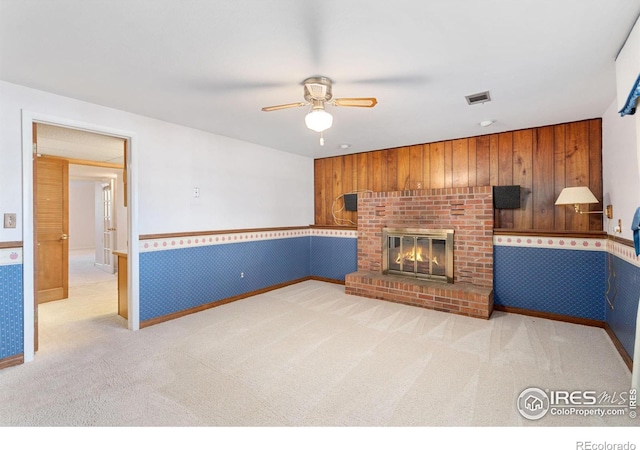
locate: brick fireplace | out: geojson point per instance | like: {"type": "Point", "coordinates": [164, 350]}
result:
{"type": "Point", "coordinates": [466, 211]}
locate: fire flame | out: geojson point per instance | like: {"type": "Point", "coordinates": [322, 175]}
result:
{"type": "Point", "coordinates": [415, 255]}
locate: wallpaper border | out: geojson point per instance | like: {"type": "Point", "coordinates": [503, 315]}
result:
{"type": "Point", "coordinates": [200, 240]}
{"type": "Point", "coordinates": [10, 256]}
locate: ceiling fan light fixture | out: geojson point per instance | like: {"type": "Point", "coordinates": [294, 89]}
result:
{"type": "Point", "coordinates": [318, 120]}
{"type": "Point", "coordinates": [317, 93]}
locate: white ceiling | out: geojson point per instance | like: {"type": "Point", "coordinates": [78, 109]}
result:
{"type": "Point", "coordinates": [213, 65]}
{"type": "Point", "coordinates": [77, 144]}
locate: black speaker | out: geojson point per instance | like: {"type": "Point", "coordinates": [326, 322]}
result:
{"type": "Point", "coordinates": [351, 202]}
{"type": "Point", "coordinates": [506, 197]}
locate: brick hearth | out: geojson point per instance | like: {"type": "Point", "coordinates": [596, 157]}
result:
{"type": "Point", "coordinates": [468, 211]}
{"type": "Point", "coordinates": [462, 298]}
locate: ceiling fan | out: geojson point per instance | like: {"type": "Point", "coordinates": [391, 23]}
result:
{"type": "Point", "coordinates": [317, 93]}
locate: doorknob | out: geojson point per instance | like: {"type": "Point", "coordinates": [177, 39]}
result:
{"type": "Point", "coordinates": [111, 229]}
{"type": "Point", "coordinates": [64, 237]}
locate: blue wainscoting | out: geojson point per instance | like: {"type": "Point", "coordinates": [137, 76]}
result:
{"type": "Point", "coordinates": [178, 274]}
{"type": "Point", "coordinates": [529, 273]}
{"type": "Point", "coordinates": [184, 278]}
{"type": "Point", "coordinates": [333, 257]}
{"type": "Point", "coordinates": [11, 311]}
{"type": "Point", "coordinates": [559, 281]}
{"type": "Point", "coordinates": [623, 284]}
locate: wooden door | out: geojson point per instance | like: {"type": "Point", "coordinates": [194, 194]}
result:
{"type": "Point", "coordinates": [52, 229]}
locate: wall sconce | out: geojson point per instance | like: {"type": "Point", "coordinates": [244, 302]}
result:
{"type": "Point", "coordinates": [577, 196]}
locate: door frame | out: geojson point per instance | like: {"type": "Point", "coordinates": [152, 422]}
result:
{"type": "Point", "coordinates": [28, 118]}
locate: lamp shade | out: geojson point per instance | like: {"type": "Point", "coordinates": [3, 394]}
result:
{"type": "Point", "coordinates": [575, 196]}
{"type": "Point", "coordinates": [318, 120]}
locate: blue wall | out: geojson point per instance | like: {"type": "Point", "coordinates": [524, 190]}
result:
{"type": "Point", "coordinates": [624, 281]}
{"type": "Point", "coordinates": [567, 282]}
{"type": "Point", "coordinates": [333, 257]}
{"type": "Point", "coordinates": [180, 279]}
{"type": "Point", "coordinates": [176, 280]}
{"type": "Point", "coordinates": [11, 311]}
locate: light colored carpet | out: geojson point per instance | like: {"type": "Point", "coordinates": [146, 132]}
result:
{"type": "Point", "coordinates": [82, 269]}
{"type": "Point", "coordinates": [304, 355]}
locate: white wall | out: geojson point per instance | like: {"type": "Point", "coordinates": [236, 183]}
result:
{"type": "Point", "coordinates": [81, 214]}
{"type": "Point", "coordinates": [622, 153]}
{"type": "Point", "coordinates": [620, 168]}
{"type": "Point", "coordinates": [628, 65]}
{"type": "Point", "coordinates": [242, 185]}
{"type": "Point", "coordinates": [621, 141]}
{"type": "Point", "coordinates": [627, 73]}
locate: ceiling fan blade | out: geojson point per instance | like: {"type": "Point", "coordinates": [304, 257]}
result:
{"type": "Point", "coordinates": [288, 105]}
{"type": "Point", "coordinates": [365, 102]}
{"type": "Point", "coordinates": [404, 80]}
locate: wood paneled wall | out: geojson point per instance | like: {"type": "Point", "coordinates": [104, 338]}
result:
{"type": "Point", "coordinates": [541, 160]}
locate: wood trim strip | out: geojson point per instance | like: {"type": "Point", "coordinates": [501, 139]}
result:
{"type": "Point", "coordinates": [619, 240]}
{"type": "Point", "coordinates": [144, 237]}
{"type": "Point", "coordinates": [616, 342]}
{"type": "Point", "coordinates": [186, 312]}
{"type": "Point", "coordinates": [548, 233]}
{"type": "Point", "coordinates": [84, 162]}
{"type": "Point", "coordinates": [551, 316]}
{"type": "Point", "coordinates": [11, 361]}
{"type": "Point", "coordinates": [333, 227]}
{"type": "Point", "coordinates": [327, 280]}
{"type": "Point", "coordinates": [11, 244]}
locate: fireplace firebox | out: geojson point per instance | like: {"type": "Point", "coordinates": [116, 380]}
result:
{"type": "Point", "coordinates": [420, 253]}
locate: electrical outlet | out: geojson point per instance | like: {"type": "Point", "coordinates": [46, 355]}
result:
{"type": "Point", "coordinates": [10, 220]}
{"type": "Point", "coordinates": [241, 274]}
{"type": "Point", "coordinates": [618, 229]}
{"type": "Point", "coordinates": [196, 192]}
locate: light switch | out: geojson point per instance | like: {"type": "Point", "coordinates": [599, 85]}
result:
{"type": "Point", "coordinates": [9, 220]}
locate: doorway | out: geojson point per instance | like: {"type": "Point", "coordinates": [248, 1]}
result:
{"type": "Point", "coordinates": [78, 187]}
{"type": "Point", "coordinates": [29, 241]}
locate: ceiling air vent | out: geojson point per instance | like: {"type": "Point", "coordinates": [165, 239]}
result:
{"type": "Point", "coordinates": [481, 97]}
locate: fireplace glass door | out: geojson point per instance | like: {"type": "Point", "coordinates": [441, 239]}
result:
{"type": "Point", "coordinates": [427, 255]}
